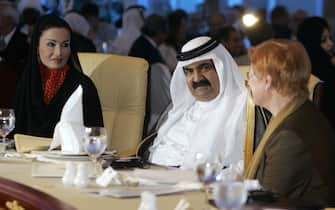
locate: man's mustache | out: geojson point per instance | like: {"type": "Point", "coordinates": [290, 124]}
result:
{"type": "Point", "coordinates": [201, 83]}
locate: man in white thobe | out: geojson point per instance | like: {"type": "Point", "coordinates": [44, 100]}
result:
{"type": "Point", "coordinates": [207, 119]}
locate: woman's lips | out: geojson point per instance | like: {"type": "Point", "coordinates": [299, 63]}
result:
{"type": "Point", "coordinates": [57, 60]}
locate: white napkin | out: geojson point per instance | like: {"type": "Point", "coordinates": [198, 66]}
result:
{"type": "Point", "coordinates": [148, 201]}
{"type": "Point", "coordinates": [69, 131]}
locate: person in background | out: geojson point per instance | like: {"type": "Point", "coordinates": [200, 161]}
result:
{"type": "Point", "coordinates": [207, 118]}
{"type": "Point", "coordinates": [261, 31]}
{"type": "Point", "coordinates": [314, 33]}
{"type": "Point", "coordinates": [297, 17]}
{"type": "Point", "coordinates": [30, 11]}
{"type": "Point", "coordinates": [51, 78]}
{"type": "Point", "coordinates": [101, 33]}
{"type": "Point", "coordinates": [215, 22]}
{"type": "Point", "coordinates": [177, 22]}
{"type": "Point", "coordinates": [80, 28]}
{"type": "Point", "coordinates": [132, 21]}
{"type": "Point", "coordinates": [280, 22]}
{"type": "Point", "coordinates": [29, 17]}
{"type": "Point", "coordinates": [195, 26]}
{"type": "Point", "coordinates": [50, 7]}
{"type": "Point", "coordinates": [13, 43]}
{"type": "Point", "coordinates": [154, 32]}
{"type": "Point", "coordinates": [231, 38]}
{"type": "Point", "coordinates": [295, 156]}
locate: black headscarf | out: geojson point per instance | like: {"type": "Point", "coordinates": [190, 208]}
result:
{"type": "Point", "coordinates": [309, 34]}
{"type": "Point", "coordinates": [33, 116]}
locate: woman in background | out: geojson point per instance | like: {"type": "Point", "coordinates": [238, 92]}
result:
{"type": "Point", "coordinates": [52, 75]}
{"type": "Point", "coordinates": [294, 157]}
{"type": "Point", "coordinates": [314, 33]}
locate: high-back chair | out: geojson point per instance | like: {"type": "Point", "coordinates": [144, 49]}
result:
{"type": "Point", "coordinates": [257, 118]}
{"type": "Point", "coordinates": [121, 82]}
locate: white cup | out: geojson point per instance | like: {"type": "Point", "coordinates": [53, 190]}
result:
{"type": "Point", "coordinates": [230, 194]}
{"type": "Point", "coordinates": [3, 147]}
{"type": "Point", "coordinates": [81, 179]}
{"type": "Point", "coordinates": [69, 174]}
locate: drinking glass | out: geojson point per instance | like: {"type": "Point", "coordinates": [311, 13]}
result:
{"type": "Point", "coordinates": [207, 170]}
{"type": "Point", "coordinates": [95, 143]}
{"type": "Point", "coordinates": [229, 195]}
{"type": "Point", "coordinates": [7, 124]}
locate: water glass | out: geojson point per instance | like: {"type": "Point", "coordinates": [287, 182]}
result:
{"type": "Point", "coordinates": [95, 143]}
{"type": "Point", "coordinates": [7, 124]}
{"type": "Point", "coordinates": [230, 195]}
{"type": "Point", "coordinates": [208, 170]}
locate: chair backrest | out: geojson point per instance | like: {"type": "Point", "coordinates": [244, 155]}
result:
{"type": "Point", "coordinates": [257, 118]}
{"type": "Point", "coordinates": [121, 82]}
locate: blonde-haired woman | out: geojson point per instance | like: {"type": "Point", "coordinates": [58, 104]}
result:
{"type": "Point", "coordinates": [294, 157]}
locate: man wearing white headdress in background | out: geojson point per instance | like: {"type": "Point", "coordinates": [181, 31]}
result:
{"type": "Point", "coordinates": [80, 28]}
{"type": "Point", "coordinates": [207, 119]}
{"type": "Point", "coordinates": [132, 22]}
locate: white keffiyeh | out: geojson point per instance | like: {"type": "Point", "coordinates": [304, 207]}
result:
{"type": "Point", "coordinates": [219, 130]}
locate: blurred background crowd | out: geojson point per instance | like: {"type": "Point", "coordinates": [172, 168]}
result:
{"type": "Point", "coordinates": [113, 26]}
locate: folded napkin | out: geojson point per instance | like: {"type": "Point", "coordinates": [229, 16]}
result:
{"type": "Point", "coordinates": [69, 130]}
{"type": "Point", "coordinates": [26, 143]}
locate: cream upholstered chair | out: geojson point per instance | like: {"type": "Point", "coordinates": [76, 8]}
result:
{"type": "Point", "coordinates": [257, 118]}
{"type": "Point", "coordinates": [122, 86]}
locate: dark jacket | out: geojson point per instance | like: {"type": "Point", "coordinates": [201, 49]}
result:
{"type": "Point", "coordinates": [298, 158]}
{"type": "Point", "coordinates": [144, 49]}
{"type": "Point", "coordinates": [16, 50]}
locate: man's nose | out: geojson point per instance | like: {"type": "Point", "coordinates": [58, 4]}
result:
{"type": "Point", "coordinates": [197, 76]}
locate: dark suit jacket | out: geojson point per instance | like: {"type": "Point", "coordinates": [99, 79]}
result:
{"type": "Point", "coordinates": [17, 48]}
{"type": "Point", "coordinates": [82, 43]}
{"type": "Point", "coordinates": [298, 158]}
{"type": "Point", "coordinates": [144, 49]}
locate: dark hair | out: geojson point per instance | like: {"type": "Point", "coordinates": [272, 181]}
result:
{"type": "Point", "coordinates": [90, 9]}
{"type": "Point", "coordinates": [30, 16]}
{"type": "Point", "coordinates": [44, 23]}
{"type": "Point", "coordinates": [154, 25]}
{"type": "Point", "coordinates": [279, 12]}
{"type": "Point", "coordinates": [174, 20]}
{"type": "Point", "coordinates": [223, 33]}
{"type": "Point", "coordinates": [310, 31]}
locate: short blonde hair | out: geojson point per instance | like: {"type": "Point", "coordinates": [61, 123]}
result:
{"type": "Point", "coordinates": [287, 63]}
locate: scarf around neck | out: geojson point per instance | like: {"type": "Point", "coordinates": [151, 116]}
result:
{"type": "Point", "coordinates": [274, 123]}
{"type": "Point", "coordinates": [52, 80]}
